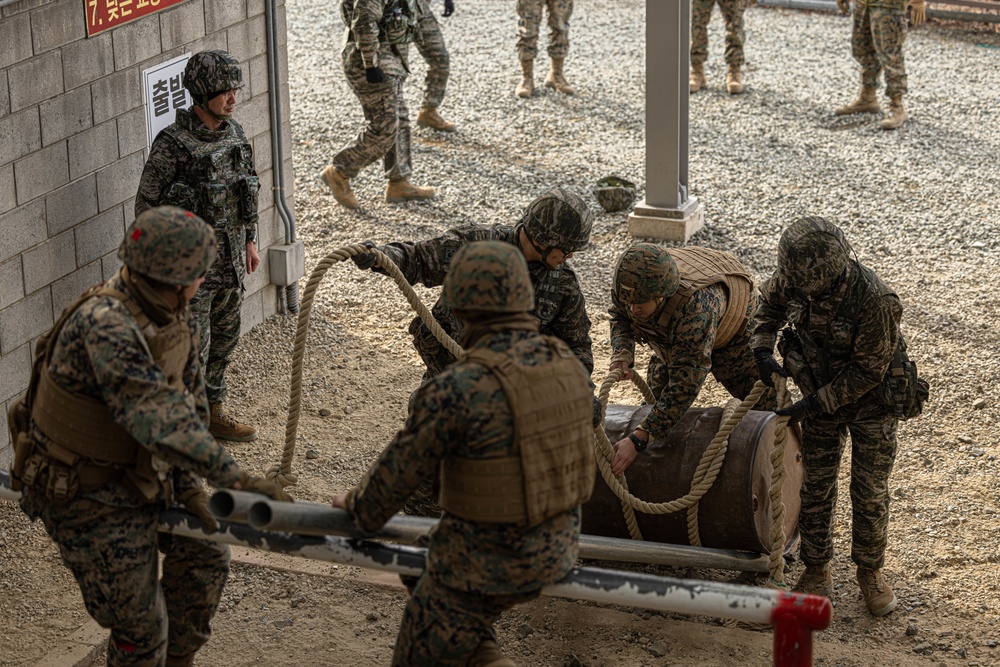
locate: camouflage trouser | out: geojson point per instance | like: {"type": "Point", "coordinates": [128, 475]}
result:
{"type": "Point", "coordinates": [435, 54]}
{"type": "Point", "coordinates": [442, 627]}
{"type": "Point", "coordinates": [701, 14]}
{"type": "Point", "coordinates": [877, 44]}
{"type": "Point", "coordinates": [217, 306]}
{"type": "Point", "coordinates": [434, 355]}
{"type": "Point", "coordinates": [387, 134]}
{"type": "Point", "coordinates": [529, 18]}
{"type": "Point", "coordinates": [112, 552]}
{"type": "Point", "coordinates": [873, 451]}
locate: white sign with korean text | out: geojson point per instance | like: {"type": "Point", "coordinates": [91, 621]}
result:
{"type": "Point", "coordinates": [164, 93]}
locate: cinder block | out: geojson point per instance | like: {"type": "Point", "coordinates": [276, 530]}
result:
{"type": "Point", "coordinates": [26, 319]}
{"type": "Point", "coordinates": [247, 39]}
{"type": "Point", "coordinates": [113, 95]}
{"type": "Point", "coordinates": [262, 152]}
{"type": "Point", "coordinates": [211, 41]}
{"type": "Point", "coordinates": [22, 228]}
{"type": "Point", "coordinates": [66, 290]}
{"type": "Point", "coordinates": [8, 195]}
{"type": "Point", "coordinates": [269, 301]}
{"type": "Point", "coordinates": [136, 41]}
{"type": "Point", "coordinates": [255, 7]}
{"type": "Point", "coordinates": [57, 25]}
{"type": "Point", "coordinates": [252, 312]}
{"type": "Point", "coordinates": [24, 7]}
{"type": "Point", "coordinates": [35, 80]}
{"type": "Point", "coordinates": [93, 149]}
{"type": "Point", "coordinates": [15, 40]}
{"type": "Point", "coordinates": [49, 261]}
{"type": "Point", "coordinates": [41, 172]}
{"type": "Point", "coordinates": [11, 281]}
{"type": "Point", "coordinates": [87, 60]}
{"type": "Point", "coordinates": [287, 263]}
{"type": "Point", "coordinates": [259, 278]}
{"type": "Point", "coordinates": [257, 70]}
{"type": "Point", "coordinates": [15, 371]}
{"type": "Point", "coordinates": [118, 181]}
{"type": "Point", "coordinates": [20, 134]}
{"type": "Point", "coordinates": [4, 94]}
{"type": "Point", "coordinates": [182, 24]}
{"type": "Point", "coordinates": [6, 449]}
{"type": "Point", "coordinates": [254, 116]}
{"type": "Point", "coordinates": [109, 265]}
{"type": "Point", "coordinates": [132, 132]}
{"type": "Point", "coordinates": [220, 14]}
{"type": "Point", "coordinates": [100, 236]}
{"type": "Point", "coordinates": [71, 204]}
{"type": "Point", "coordinates": [66, 115]}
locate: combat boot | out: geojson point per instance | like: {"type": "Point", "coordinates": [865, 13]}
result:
{"type": "Point", "coordinates": [876, 591]}
{"type": "Point", "coordinates": [867, 102]}
{"type": "Point", "coordinates": [488, 655]}
{"type": "Point", "coordinates": [396, 192]}
{"type": "Point", "coordinates": [340, 185]}
{"type": "Point", "coordinates": [815, 580]}
{"type": "Point", "coordinates": [697, 77]}
{"type": "Point", "coordinates": [527, 85]}
{"type": "Point", "coordinates": [897, 114]}
{"type": "Point", "coordinates": [556, 80]}
{"type": "Point", "coordinates": [224, 427]}
{"type": "Point", "coordinates": [429, 117]}
{"type": "Point", "coordinates": [734, 80]}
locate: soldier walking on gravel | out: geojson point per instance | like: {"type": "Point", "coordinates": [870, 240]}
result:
{"type": "Point", "coordinates": [877, 38]}
{"type": "Point", "coordinates": [431, 46]}
{"type": "Point", "coordinates": [112, 427]}
{"type": "Point", "coordinates": [204, 163]}
{"type": "Point", "coordinates": [374, 62]}
{"type": "Point", "coordinates": [732, 13]}
{"type": "Point", "coordinates": [529, 19]}
{"type": "Point", "coordinates": [691, 306]}
{"type": "Point", "coordinates": [844, 349]}
{"type": "Point", "coordinates": [509, 426]}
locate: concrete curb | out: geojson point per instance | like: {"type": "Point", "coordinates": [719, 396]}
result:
{"type": "Point", "coordinates": [77, 650]}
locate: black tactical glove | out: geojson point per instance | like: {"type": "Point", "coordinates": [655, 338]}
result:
{"type": "Point", "coordinates": [449, 8]}
{"type": "Point", "coordinates": [365, 260]}
{"type": "Point", "coordinates": [196, 501]}
{"type": "Point", "coordinates": [597, 411]}
{"type": "Point", "coordinates": [374, 75]}
{"type": "Point", "coordinates": [807, 407]}
{"type": "Point", "coordinates": [256, 484]}
{"type": "Point", "coordinates": [767, 365]}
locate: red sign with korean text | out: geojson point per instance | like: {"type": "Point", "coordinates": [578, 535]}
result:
{"type": "Point", "coordinates": [105, 14]}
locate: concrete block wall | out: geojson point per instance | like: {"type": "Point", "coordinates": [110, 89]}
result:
{"type": "Point", "coordinates": [72, 147]}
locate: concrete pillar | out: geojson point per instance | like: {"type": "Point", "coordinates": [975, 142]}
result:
{"type": "Point", "coordinates": [668, 211]}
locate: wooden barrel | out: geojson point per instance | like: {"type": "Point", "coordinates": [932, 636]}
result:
{"type": "Point", "coordinates": [736, 511]}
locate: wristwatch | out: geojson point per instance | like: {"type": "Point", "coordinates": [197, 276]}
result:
{"type": "Point", "coordinates": [640, 446]}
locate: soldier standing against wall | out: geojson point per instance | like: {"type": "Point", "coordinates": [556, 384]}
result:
{"type": "Point", "coordinates": [374, 63]}
{"type": "Point", "coordinates": [113, 424]}
{"type": "Point", "coordinates": [430, 44]}
{"type": "Point", "coordinates": [204, 163]}
{"type": "Point", "coordinates": [877, 38]}
{"type": "Point", "coordinates": [732, 13]}
{"type": "Point", "coordinates": [529, 19]}
{"type": "Point", "coordinates": [844, 349]}
{"type": "Point", "coordinates": [509, 425]}
{"type": "Point", "coordinates": [691, 306]}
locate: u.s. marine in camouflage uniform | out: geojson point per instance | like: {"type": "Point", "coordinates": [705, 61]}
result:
{"type": "Point", "coordinates": [691, 306]}
{"type": "Point", "coordinates": [204, 163]}
{"type": "Point", "coordinates": [529, 20]}
{"type": "Point", "coordinates": [113, 424]}
{"type": "Point", "coordinates": [701, 15]}
{"type": "Point", "coordinates": [842, 336]}
{"type": "Point", "coordinates": [430, 44]}
{"type": "Point", "coordinates": [509, 427]}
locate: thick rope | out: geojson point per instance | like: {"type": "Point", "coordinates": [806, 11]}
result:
{"type": "Point", "coordinates": [776, 559]}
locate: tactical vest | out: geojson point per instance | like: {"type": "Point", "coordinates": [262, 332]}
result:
{"type": "Point", "coordinates": [86, 447]}
{"type": "Point", "coordinates": [700, 268]}
{"type": "Point", "coordinates": [552, 468]}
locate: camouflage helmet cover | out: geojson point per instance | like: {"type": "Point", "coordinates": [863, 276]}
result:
{"type": "Point", "coordinates": [812, 254]}
{"type": "Point", "coordinates": [558, 218]}
{"type": "Point", "coordinates": [210, 72]}
{"type": "Point", "coordinates": [614, 194]}
{"type": "Point", "coordinates": [489, 276]}
{"type": "Point", "coordinates": [170, 245]}
{"type": "Point", "coordinates": [645, 272]}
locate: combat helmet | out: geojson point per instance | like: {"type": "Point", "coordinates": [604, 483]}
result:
{"type": "Point", "coordinates": [209, 73]}
{"type": "Point", "coordinates": [645, 272]}
{"type": "Point", "coordinates": [170, 245]}
{"type": "Point", "coordinates": [812, 255]}
{"type": "Point", "coordinates": [614, 194]}
{"type": "Point", "coordinates": [558, 218]}
{"type": "Point", "coordinates": [489, 276]}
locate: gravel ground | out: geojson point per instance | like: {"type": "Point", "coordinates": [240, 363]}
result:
{"type": "Point", "coordinates": [919, 205]}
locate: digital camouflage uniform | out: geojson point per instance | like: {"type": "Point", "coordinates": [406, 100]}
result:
{"type": "Point", "coordinates": [209, 172]}
{"type": "Point", "coordinates": [529, 19]}
{"type": "Point", "coordinates": [430, 44]}
{"type": "Point", "coordinates": [846, 341]}
{"type": "Point", "coordinates": [107, 535]}
{"type": "Point", "coordinates": [877, 38]}
{"type": "Point", "coordinates": [701, 15]}
{"type": "Point", "coordinates": [387, 131]}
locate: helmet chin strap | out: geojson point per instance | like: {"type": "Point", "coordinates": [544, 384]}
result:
{"type": "Point", "coordinates": [204, 105]}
